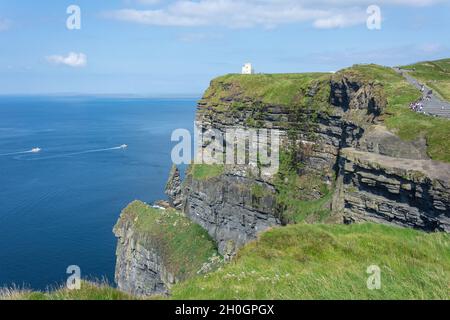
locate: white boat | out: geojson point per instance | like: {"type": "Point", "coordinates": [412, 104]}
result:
{"type": "Point", "coordinates": [36, 150]}
{"type": "Point", "coordinates": [124, 146]}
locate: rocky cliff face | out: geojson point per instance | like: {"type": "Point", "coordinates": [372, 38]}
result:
{"type": "Point", "coordinates": [227, 207]}
{"type": "Point", "coordinates": [173, 189]}
{"type": "Point", "coordinates": [411, 193]}
{"type": "Point", "coordinates": [139, 269]}
{"type": "Point", "coordinates": [345, 111]}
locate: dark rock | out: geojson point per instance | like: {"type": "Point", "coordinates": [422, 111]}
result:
{"type": "Point", "coordinates": [410, 193]}
{"type": "Point", "coordinates": [173, 188]}
{"type": "Point", "coordinates": [227, 209]}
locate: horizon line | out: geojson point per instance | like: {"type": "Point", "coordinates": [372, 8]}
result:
{"type": "Point", "coordinates": [117, 95]}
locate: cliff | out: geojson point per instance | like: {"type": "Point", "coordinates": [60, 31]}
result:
{"type": "Point", "coordinates": [351, 151]}
{"type": "Point", "coordinates": [158, 248]}
{"type": "Point", "coordinates": [329, 124]}
{"type": "Point", "coordinates": [228, 208]}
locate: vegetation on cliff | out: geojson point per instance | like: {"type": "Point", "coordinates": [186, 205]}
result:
{"type": "Point", "coordinates": [183, 246]}
{"type": "Point", "coordinates": [330, 262]}
{"type": "Point", "coordinates": [205, 171]}
{"type": "Point", "coordinates": [302, 198]}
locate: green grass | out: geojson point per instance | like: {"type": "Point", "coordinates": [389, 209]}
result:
{"type": "Point", "coordinates": [184, 246]}
{"type": "Point", "coordinates": [205, 171]}
{"type": "Point", "coordinates": [258, 191]}
{"type": "Point", "coordinates": [298, 209]}
{"type": "Point", "coordinates": [271, 89]}
{"type": "Point", "coordinates": [294, 192]}
{"type": "Point", "coordinates": [88, 291]}
{"type": "Point", "coordinates": [330, 262]}
{"type": "Point", "coordinates": [306, 261]}
{"type": "Point", "coordinates": [400, 119]}
{"type": "Point", "coordinates": [435, 74]}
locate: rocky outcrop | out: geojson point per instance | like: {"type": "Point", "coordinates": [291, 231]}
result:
{"type": "Point", "coordinates": [230, 209]}
{"type": "Point", "coordinates": [406, 192]}
{"type": "Point", "coordinates": [157, 248]}
{"type": "Point", "coordinates": [350, 92]}
{"type": "Point", "coordinates": [173, 188]}
{"type": "Point", "coordinates": [139, 269]}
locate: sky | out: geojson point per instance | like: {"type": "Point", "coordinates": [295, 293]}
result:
{"type": "Point", "coordinates": [175, 47]}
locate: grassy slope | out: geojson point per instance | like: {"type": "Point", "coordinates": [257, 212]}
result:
{"type": "Point", "coordinates": [330, 262]}
{"type": "Point", "coordinates": [88, 291]}
{"type": "Point", "coordinates": [311, 262]}
{"type": "Point", "coordinates": [205, 171]}
{"type": "Point", "coordinates": [407, 124]}
{"type": "Point", "coordinates": [436, 74]}
{"type": "Point", "coordinates": [183, 245]}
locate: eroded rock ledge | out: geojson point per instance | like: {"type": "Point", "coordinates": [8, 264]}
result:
{"type": "Point", "coordinates": [411, 193]}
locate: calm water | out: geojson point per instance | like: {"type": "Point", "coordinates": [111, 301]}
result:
{"type": "Point", "coordinates": [58, 206]}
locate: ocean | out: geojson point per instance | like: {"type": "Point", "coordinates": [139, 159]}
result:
{"type": "Point", "coordinates": [58, 205]}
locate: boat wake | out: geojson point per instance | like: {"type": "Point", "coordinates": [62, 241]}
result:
{"type": "Point", "coordinates": [34, 150]}
{"type": "Point", "coordinates": [23, 155]}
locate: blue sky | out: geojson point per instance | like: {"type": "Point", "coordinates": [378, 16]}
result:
{"type": "Point", "coordinates": [175, 47]}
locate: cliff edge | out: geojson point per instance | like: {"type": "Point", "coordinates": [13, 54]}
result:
{"type": "Point", "coordinates": [351, 151]}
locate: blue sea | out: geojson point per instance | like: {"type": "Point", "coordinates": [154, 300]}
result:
{"type": "Point", "coordinates": [58, 206]}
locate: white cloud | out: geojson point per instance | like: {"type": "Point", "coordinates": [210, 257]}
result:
{"type": "Point", "coordinates": [193, 37]}
{"type": "Point", "coordinates": [143, 2]}
{"type": "Point", "coordinates": [432, 48]}
{"type": "Point", "coordinates": [341, 20]}
{"type": "Point", "coordinates": [76, 60]}
{"type": "Point", "coordinates": [5, 24]}
{"type": "Point", "coordinates": [250, 13]}
{"type": "Point", "coordinates": [150, 2]}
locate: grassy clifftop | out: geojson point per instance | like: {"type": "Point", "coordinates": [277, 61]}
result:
{"type": "Point", "coordinates": [330, 262]}
{"type": "Point", "coordinates": [183, 245]}
{"type": "Point", "coordinates": [271, 89]}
